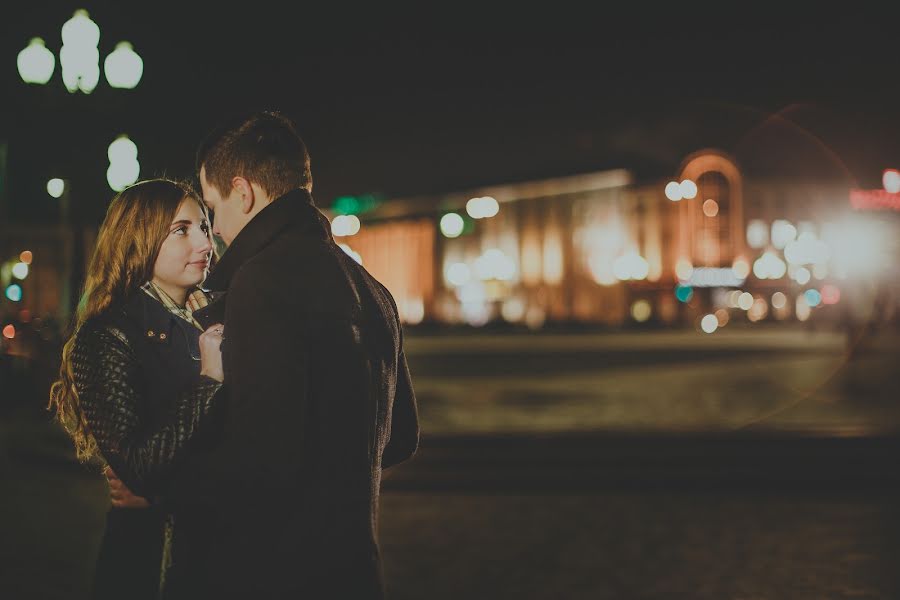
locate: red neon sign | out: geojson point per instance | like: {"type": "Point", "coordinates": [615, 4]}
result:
{"type": "Point", "coordinates": [874, 200]}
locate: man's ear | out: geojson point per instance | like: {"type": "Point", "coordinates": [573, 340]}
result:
{"type": "Point", "coordinates": [246, 193]}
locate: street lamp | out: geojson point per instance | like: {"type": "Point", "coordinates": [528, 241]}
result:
{"type": "Point", "coordinates": [79, 57]}
{"type": "Point", "coordinates": [124, 168]}
{"type": "Point", "coordinates": [36, 63]}
{"type": "Point", "coordinates": [123, 67]}
{"type": "Point", "coordinates": [56, 187]}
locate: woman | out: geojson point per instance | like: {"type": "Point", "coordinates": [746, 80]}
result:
{"type": "Point", "coordinates": [139, 377]}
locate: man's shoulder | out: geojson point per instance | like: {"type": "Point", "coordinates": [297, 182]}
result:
{"type": "Point", "coordinates": [299, 276]}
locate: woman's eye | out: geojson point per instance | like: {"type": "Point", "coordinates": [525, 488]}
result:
{"type": "Point", "coordinates": [204, 227]}
{"type": "Point", "coordinates": [180, 231]}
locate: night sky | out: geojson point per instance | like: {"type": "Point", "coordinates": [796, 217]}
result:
{"type": "Point", "coordinates": [432, 101]}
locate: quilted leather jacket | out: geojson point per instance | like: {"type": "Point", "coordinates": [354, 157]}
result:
{"type": "Point", "coordinates": [137, 373]}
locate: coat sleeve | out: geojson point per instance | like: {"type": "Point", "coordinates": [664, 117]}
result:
{"type": "Point", "coordinates": [404, 438]}
{"type": "Point", "coordinates": [108, 382]}
{"type": "Point", "coordinates": [404, 433]}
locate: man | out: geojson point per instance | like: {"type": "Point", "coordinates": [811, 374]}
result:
{"type": "Point", "coordinates": [318, 393]}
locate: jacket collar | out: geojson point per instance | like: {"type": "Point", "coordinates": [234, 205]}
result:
{"type": "Point", "coordinates": [295, 209]}
{"type": "Point", "coordinates": [154, 320]}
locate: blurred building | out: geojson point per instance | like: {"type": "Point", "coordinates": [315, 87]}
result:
{"type": "Point", "coordinates": [609, 249]}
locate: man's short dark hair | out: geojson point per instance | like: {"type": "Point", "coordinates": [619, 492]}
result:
{"type": "Point", "coordinates": [263, 148]}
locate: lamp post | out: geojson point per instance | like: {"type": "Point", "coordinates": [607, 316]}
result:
{"type": "Point", "coordinates": [79, 59]}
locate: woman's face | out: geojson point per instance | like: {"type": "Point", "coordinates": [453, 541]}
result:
{"type": "Point", "coordinates": [184, 257]}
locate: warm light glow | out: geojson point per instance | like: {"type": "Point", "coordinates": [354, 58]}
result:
{"type": "Point", "coordinates": [783, 233]}
{"type": "Point", "coordinates": [123, 67]}
{"type": "Point", "coordinates": [413, 311]}
{"type": "Point", "coordinates": [631, 266]}
{"type": "Point", "coordinates": [476, 314]}
{"type": "Point", "coordinates": [769, 266]}
{"type": "Point", "coordinates": [709, 324]}
{"type": "Point", "coordinates": [345, 225]}
{"type": "Point", "coordinates": [673, 191]}
{"type": "Point", "coordinates": [722, 317]}
{"type": "Point", "coordinates": [36, 63]}
{"type": "Point", "coordinates": [779, 300]}
{"type": "Point", "coordinates": [9, 332]}
{"type": "Point", "coordinates": [741, 268]}
{"type": "Point", "coordinates": [806, 250]}
{"type": "Point", "coordinates": [684, 269]}
{"type": "Point", "coordinates": [710, 208]}
{"type": "Point", "coordinates": [452, 225]}
{"type": "Point", "coordinates": [339, 226]}
{"type": "Point", "coordinates": [860, 247]}
{"type": "Point", "coordinates": [553, 259]}
{"type": "Point", "coordinates": [745, 301]}
{"type": "Point", "coordinates": [513, 310]}
{"type": "Point", "coordinates": [601, 268]}
{"type": "Point", "coordinates": [714, 277]}
{"type": "Point", "coordinates": [458, 274]}
{"type": "Point", "coordinates": [757, 234]}
{"type": "Point", "coordinates": [535, 317]}
{"type": "Point", "coordinates": [494, 264]}
{"type": "Point", "coordinates": [688, 189]}
{"type": "Point", "coordinates": [20, 270]}
{"type": "Point", "coordinates": [641, 311]}
{"type": "Point", "coordinates": [891, 181]}
{"type": "Point", "coordinates": [802, 308]}
{"type": "Point", "coordinates": [531, 262]}
{"type": "Point", "coordinates": [491, 207]}
{"type": "Point", "coordinates": [26, 257]}
{"type": "Point", "coordinates": [758, 310]}
{"type": "Point", "coordinates": [472, 292]}
{"type": "Point", "coordinates": [482, 208]}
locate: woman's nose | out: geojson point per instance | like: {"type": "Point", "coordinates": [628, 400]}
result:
{"type": "Point", "coordinates": [203, 244]}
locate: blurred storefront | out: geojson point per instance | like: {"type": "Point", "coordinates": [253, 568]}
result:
{"type": "Point", "coordinates": [702, 249]}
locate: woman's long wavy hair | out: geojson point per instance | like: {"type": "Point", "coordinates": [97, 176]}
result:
{"type": "Point", "coordinates": [128, 243]}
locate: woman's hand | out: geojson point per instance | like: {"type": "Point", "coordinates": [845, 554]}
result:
{"type": "Point", "coordinates": [120, 495]}
{"type": "Point", "coordinates": [211, 352]}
